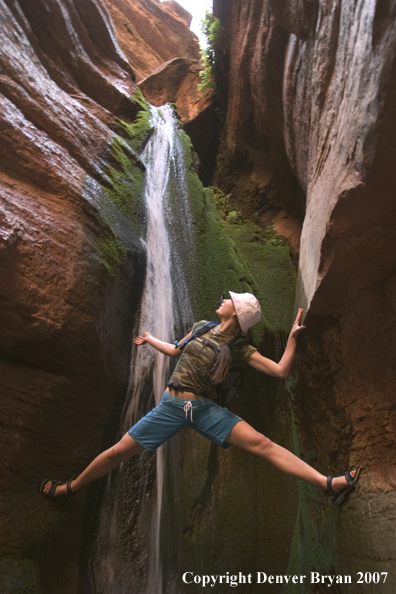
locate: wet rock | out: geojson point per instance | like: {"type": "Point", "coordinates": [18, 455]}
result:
{"type": "Point", "coordinates": [165, 56]}
{"type": "Point", "coordinates": [317, 81]}
{"type": "Point", "coordinates": [296, 17]}
{"type": "Point", "coordinates": [306, 92]}
{"type": "Point", "coordinates": [151, 33]}
{"type": "Point", "coordinates": [253, 164]}
{"type": "Point", "coordinates": [177, 82]}
{"type": "Point", "coordinates": [65, 323]}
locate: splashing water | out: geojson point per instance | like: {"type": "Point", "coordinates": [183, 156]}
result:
{"type": "Point", "coordinates": [124, 516]}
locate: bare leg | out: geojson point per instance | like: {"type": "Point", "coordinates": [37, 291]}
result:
{"type": "Point", "coordinates": [247, 438]}
{"type": "Point", "coordinates": [102, 464]}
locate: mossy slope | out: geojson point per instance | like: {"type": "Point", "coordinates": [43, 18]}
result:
{"type": "Point", "coordinates": [236, 257]}
{"type": "Point", "coordinates": [223, 507]}
{"type": "Point", "coordinates": [124, 183]}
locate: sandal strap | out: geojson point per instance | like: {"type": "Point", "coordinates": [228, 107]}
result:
{"type": "Point", "coordinates": [68, 486]}
{"type": "Point", "coordinates": [349, 478]}
{"type": "Point", "coordinates": [329, 481]}
{"type": "Point", "coordinates": [52, 490]}
{"type": "Point", "coordinates": [54, 485]}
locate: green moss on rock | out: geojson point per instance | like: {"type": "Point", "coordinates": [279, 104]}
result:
{"type": "Point", "coordinates": [312, 547]}
{"type": "Point", "coordinates": [271, 268]}
{"type": "Point", "coordinates": [223, 511]}
{"type": "Point", "coordinates": [139, 131]}
{"type": "Point", "coordinates": [125, 181]}
{"type": "Point", "coordinates": [125, 173]}
{"type": "Point", "coordinates": [18, 576]}
{"type": "Point", "coordinates": [112, 253]}
{"type": "Point", "coordinates": [138, 98]}
{"type": "Point", "coordinates": [125, 185]}
{"type": "Point", "coordinates": [226, 510]}
{"type": "Point", "coordinates": [235, 255]}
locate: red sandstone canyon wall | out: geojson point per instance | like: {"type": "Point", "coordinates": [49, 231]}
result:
{"type": "Point", "coordinates": [310, 124]}
{"type": "Point", "coordinates": [151, 32]}
{"type": "Point", "coordinates": [306, 95]}
{"type": "Point", "coordinates": [65, 323]}
{"type": "Point", "coordinates": [71, 264]}
{"type": "Point", "coordinates": [166, 60]}
{"type": "Point", "coordinates": [165, 56]}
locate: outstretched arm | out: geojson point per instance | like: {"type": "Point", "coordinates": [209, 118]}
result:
{"type": "Point", "coordinates": [162, 347]}
{"type": "Point", "coordinates": [281, 369]}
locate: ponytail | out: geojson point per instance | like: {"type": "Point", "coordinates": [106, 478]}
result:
{"type": "Point", "coordinates": [222, 365]}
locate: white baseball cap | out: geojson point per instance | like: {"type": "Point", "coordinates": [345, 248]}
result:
{"type": "Point", "coordinates": [247, 309]}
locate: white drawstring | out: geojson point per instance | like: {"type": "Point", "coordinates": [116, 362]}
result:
{"type": "Point", "coordinates": [188, 407]}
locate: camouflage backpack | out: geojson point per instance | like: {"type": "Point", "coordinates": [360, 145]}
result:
{"type": "Point", "coordinates": [228, 388]}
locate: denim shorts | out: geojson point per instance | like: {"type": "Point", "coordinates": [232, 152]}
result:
{"type": "Point", "coordinates": [174, 413]}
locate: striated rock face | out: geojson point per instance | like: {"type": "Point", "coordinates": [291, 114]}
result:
{"type": "Point", "coordinates": [307, 96]}
{"type": "Point", "coordinates": [253, 165]}
{"type": "Point", "coordinates": [152, 32]}
{"type": "Point", "coordinates": [65, 323]}
{"type": "Point", "coordinates": [71, 261]}
{"type": "Point", "coordinates": [341, 81]}
{"type": "Point", "coordinates": [165, 56]}
{"type": "Point", "coordinates": [313, 82]}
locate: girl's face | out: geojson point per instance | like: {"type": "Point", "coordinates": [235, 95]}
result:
{"type": "Point", "coordinates": [226, 309]}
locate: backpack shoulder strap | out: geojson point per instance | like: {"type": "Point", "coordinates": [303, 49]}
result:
{"type": "Point", "coordinates": [205, 328]}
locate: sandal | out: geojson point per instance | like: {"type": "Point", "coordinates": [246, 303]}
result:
{"type": "Point", "coordinates": [54, 485]}
{"type": "Point", "coordinates": [340, 496]}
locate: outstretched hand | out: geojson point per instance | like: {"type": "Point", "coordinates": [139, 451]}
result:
{"type": "Point", "coordinates": [139, 340]}
{"type": "Point", "coordinates": [297, 328]}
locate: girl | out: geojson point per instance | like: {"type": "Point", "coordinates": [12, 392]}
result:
{"type": "Point", "coordinates": [205, 356]}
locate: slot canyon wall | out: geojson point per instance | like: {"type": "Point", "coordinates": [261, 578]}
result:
{"type": "Point", "coordinates": [72, 273]}
{"type": "Point", "coordinates": [305, 104]}
{"type": "Point", "coordinates": [309, 93]}
{"type": "Point", "coordinates": [72, 268]}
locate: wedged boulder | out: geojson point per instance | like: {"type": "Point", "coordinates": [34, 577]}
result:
{"type": "Point", "coordinates": [165, 56]}
{"type": "Point", "coordinates": [176, 81]}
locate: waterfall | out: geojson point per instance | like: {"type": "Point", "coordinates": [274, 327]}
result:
{"type": "Point", "coordinates": [130, 518]}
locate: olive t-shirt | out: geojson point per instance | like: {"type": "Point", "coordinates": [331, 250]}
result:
{"type": "Point", "coordinates": [197, 359]}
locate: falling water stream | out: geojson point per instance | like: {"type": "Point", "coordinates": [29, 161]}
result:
{"type": "Point", "coordinates": [164, 309]}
